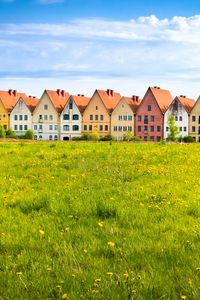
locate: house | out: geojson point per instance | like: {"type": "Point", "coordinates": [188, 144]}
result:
{"type": "Point", "coordinates": [150, 114]}
{"type": "Point", "coordinates": [71, 117]}
{"type": "Point", "coordinates": [97, 115]}
{"type": "Point", "coordinates": [21, 114]}
{"type": "Point", "coordinates": [8, 99]}
{"type": "Point", "coordinates": [194, 121]}
{"type": "Point", "coordinates": [46, 116]}
{"type": "Point", "coordinates": [180, 108]}
{"type": "Point", "coordinates": [122, 118]}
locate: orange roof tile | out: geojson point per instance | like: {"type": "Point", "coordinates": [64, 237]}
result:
{"type": "Point", "coordinates": [31, 102]}
{"type": "Point", "coordinates": [109, 98]}
{"type": "Point", "coordinates": [58, 98]}
{"type": "Point", "coordinates": [133, 102]}
{"type": "Point", "coordinates": [81, 101]}
{"type": "Point", "coordinates": [187, 103]}
{"type": "Point", "coordinates": [9, 98]}
{"type": "Point", "coordinates": [163, 97]}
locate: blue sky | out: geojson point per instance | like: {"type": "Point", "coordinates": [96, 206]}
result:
{"type": "Point", "coordinates": [80, 45]}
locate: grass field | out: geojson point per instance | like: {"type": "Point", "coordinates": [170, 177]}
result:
{"type": "Point", "coordinates": [99, 221]}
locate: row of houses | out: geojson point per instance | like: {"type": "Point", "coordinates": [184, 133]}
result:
{"type": "Point", "coordinates": [57, 115]}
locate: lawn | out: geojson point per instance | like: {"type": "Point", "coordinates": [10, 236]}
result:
{"type": "Point", "coordinates": [99, 221]}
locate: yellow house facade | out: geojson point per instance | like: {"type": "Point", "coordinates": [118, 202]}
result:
{"type": "Point", "coordinates": [97, 115]}
{"type": "Point", "coordinates": [122, 118]}
{"type": "Point", "coordinates": [194, 121]}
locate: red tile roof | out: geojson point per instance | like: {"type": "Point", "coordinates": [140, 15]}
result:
{"type": "Point", "coordinates": [133, 102]}
{"type": "Point", "coordinates": [9, 98]}
{"type": "Point", "coordinates": [31, 102]}
{"type": "Point", "coordinates": [59, 98]}
{"type": "Point", "coordinates": [81, 101]}
{"type": "Point", "coordinates": [163, 97]}
{"type": "Point", "coordinates": [109, 98]}
{"type": "Point", "coordinates": [187, 103]}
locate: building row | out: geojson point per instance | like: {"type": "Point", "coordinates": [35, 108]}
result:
{"type": "Point", "coordinates": [57, 115]}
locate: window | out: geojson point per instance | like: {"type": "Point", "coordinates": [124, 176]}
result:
{"type": "Point", "coordinates": [4, 116]}
{"type": "Point", "coordinates": [85, 127]}
{"type": "Point", "coordinates": [35, 137]}
{"type": "Point", "coordinates": [55, 127]}
{"type": "Point", "coordinates": [55, 137]}
{"type": "Point", "coordinates": [129, 128]}
{"type": "Point", "coordinates": [101, 127]}
{"type": "Point", "coordinates": [91, 117]}
{"type": "Point", "coordinates": [139, 128]}
{"type": "Point", "coordinates": [25, 127]}
{"type": "Point", "coordinates": [70, 105]}
{"type": "Point", "coordinates": [145, 119]}
{"type": "Point", "coordinates": [145, 128]}
{"type": "Point", "coordinates": [152, 128]}
{"type": "Point", "coordinates": [35, 127]}
{"type": "Point", "coordinates": [149, 107]}
{"type": "Point", "coordinates": [180, 118]}
{"type": "Point", "coordinates": [66, 117]}
{"type": "Point", "coordinates": [51, 118]}
{"type": "Point", "coordinates": [15, 117]}
{"type": "Point", "coordinates": [176, 118]}
{"type": "Point", "coordinates": [40, 137]}
{"type": "Point", "coordinates": [96, 107]}
{"type": "Point", "coordinates": [96, 117]}
{"type": "Point", "coordinates": [0, 117]}
{"type": "Point", "coordinates": [193, 118]}
{"type": "Point", "coordinates": [50, 137]}
{"type": "Point", "coordinates": [25, 117]}
{"type": "Point", "coordinates": [158, 128]}
{"type": "Point", "coordinates": [75, 117]}
{"type": "Point", "coordinates": [145, 138]}
{"type": "Point", "coordinates": [45, 117]}
{"type": "Point", "coordinates": [101, 117]}
{"type": "Point", "coordinates": [119, 128]}
{"type": "Point", "coordinates": [120, 118]}
{"type": "Point", "coordinates": [20, 117]}
{"type": "Point", "coordinates": [90, 127]}
{"type": "Point", "coordinates": [5, 127]}
{"type": "Point", "coordinates": [45, 107]}
{"type": "Point", "coordinates": [125, 118]}
{"type": "Point", "coordinates": [130, 118]}
{"type": "Point", "coordinates": [185, 128]}
{"type": "Point", "coordinates": [20, 127]}
{"type": "Point", "coordinates": [40, 117]}
{"type": "Point", "coordinates": [139, 118]}
{"type": "Point", "coordinates": [124, 128]}
{"type": "Point", "coordinates": [15, 127]}
{"type": "Point", "coordinates": [106, 127]}
{"type": "Point", "coordinates": [180, 128]}
{"type": "Point", "coordinates": [66, 127]}
{"type": "Point", "coordinates": [152, 118]}
{"type": "Point", "coordinates": [75, 127]}
{"type": "Point", "coordinates": [50, 127]}
{"type": "Point", "coordinates": [40, 127]}
{"type": "Point", "coordinates": [115, 128]}
{"type": "Point", "coordinates": [167, 128]}
{"type": "Point", "coordinates": [152, 138]}
{"type": "Point", "coordinates": [158, 138]}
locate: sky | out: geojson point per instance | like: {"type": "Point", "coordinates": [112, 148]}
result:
{"type": "Point", "coordinates": [81, 45]}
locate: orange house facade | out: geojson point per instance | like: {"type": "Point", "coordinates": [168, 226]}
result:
{"type": "Point", "coordinates": [97, 115]}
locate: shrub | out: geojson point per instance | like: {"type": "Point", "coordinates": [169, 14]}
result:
{"type": "Point", "coordinates": [10, 133]}
{"type": "Point", "coordinates": [2, 132]}
{"type": "Point", "coordinates": [188, 139]}
{"type": "Point", "coordinates": [108, 137]}
{"type": "Point", "coordinates": [29, 135]}
{"type": "Point", "coordinates": [137, 139]}
{"type": "Point", "coordinates": [128, 136]}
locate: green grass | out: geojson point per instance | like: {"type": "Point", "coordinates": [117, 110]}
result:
{"type": "Point", "coordinates": [62, 203]}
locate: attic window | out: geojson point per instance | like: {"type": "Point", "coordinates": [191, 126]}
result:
{"type": "Point", "coordinates": [70, 105]}
{"type": "Point", "coordinates": [45, 107]}
{"type": "Point", "coordinates": [149, 107]}
{"type": "Point", "coordinates": [96, 107]}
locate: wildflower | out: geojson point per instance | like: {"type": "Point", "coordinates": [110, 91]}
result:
{"type": "Point", "coordinates": [48, 269]}
{"type": "Point", "coordinates": [183, 297]}
{"type": "Point", "coordinates": [111, 244]}
{"type": "Point", "coordinates": [100, 224]}
{"type": "Point", "coordinates": [84, 250]}
{"type": "Point", "coordinates": [126, 275]}
{"type": "Point", "coordinates": [73, 275]}
{"type": "Point", "coordinates": [41, 232]}
{"type": "Point", "coordinates": [198, 269]}
{"type": "Point", "coordinates": [61, 282]}
{"type": "Point", "coordinates": [19, 273]}
{"type": "Point", "coordinates": [110, 274]}
{"type": "Point", "coordinates": [97, 280]}
{"type": "Point", "coordinates": [65, 296]}
{"type": "Point", "coordinates": [58, 286]}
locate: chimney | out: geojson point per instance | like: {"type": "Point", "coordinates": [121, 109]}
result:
{"type": "Point", "coordinates": [182, 96]}
{"type": "Point", "coordinates": [14, 92]}
{"type": "Point", "coordinates": [133, 98]}
{"type": "Point", "coordinates": [111, 93]}
{"type": "Point", "coordinates": [108, 92]}
{"type": "Point", "coordinates": [63, 93]}
{"type": "Point", "coordinates": [58, 92]}
{"type": "Point", "coordinates": [82, 95]}
{"type": "Point", "coordinates": [10, 92]}
{"type": "Point", "coordinates": [137, 98]}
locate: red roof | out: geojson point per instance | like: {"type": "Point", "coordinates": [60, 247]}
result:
{"type": "Point", "coordinates": [31, 102]}
{"type": "Point", "coordinates": [187, 103]}
{"type": "Point", "coordinates": [59, 98]}
{"type": "Point", "coordinates": [81, 101]}
{"type": "Point", "coordinates": [9, 98]}
{"type": "Point", "coordinates": [109, 98]}
{"type": "Point", "coordinates": [133, 102]}
{"type": "Point", "coordinates": [163, 97]}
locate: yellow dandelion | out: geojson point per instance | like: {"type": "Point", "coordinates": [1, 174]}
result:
{"type": "Point", "coordinates": [183, 297]}
{"type": "Point", "coordinates": [110, 274]}
{"type": "Point", "coordinates": [97, 280]}
{"type": "Point", "coordinates": [126, 275]}
{"type": "Point", "coordinates": [198, 269]}
{"type": "Point", "coordinates": [100, 224]}
{"type": "Point", "coordinates": [73, 275]}
{"type": "Point", "coordinates": [48, 269]}
{"type": "Point", "coordinates": [84, 250]}
{"type": "Point", "coordinates": [65, 296]}
{"type": "Point", "coordinates": [19, 273]}
{"type": "Point", "coordinates": [41, 232]}
{"type": "Point", "coordinates": [58, 286]}
{"type": "Point", "coordinates": [111, 244]}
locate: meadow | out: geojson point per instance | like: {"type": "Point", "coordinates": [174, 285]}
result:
{"type": "Point", "coordinates": [99, 221]}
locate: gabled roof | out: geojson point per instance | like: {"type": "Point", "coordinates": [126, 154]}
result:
{"type": "Point", "coordinates": [58, 98]}
{"type": "Point", "coordinates": [81, 101]}
{"type": "Point", "coordinates": [163, 97]}
{"type": "Point", "coordinates": [31, 102]}
{"type": "Point", "coordinates": [9, 98]}
{"type": "Point", "coordinates": [133, 102]}
{"type": "Point", "coordinates": [187, 103]}
{"type": "Point", "coordinates": [109, 98]}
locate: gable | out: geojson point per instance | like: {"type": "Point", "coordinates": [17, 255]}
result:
{"type": "Point", "coordinates": [95, 105]}
{"type": "Point", "coordinates": [149, 99]}
{"type": "Point", "coordinates": [196, 108]}
{"type": "Point", "coordinates": [45, 100]}
{"type": "Point", "coordinates": [122, 108]}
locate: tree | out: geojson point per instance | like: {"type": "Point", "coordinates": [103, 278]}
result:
{"type": "Point", "coordinates": [128, 136]}
{"type": "Point", "coordinates": [2, 132]}
{"type": "Point", "coordinates": [29, 135]}
{"type": "Point", "coordinates": [173, 129]}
